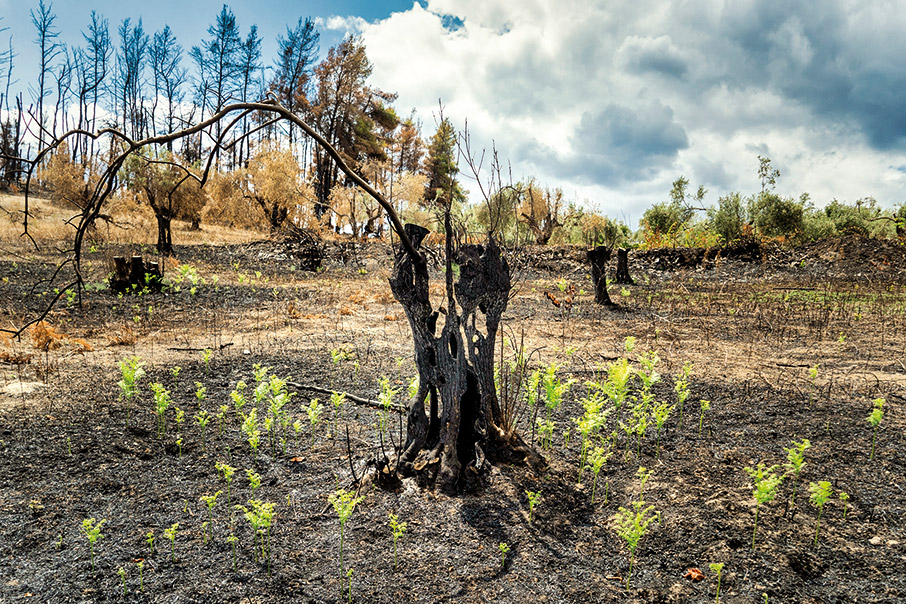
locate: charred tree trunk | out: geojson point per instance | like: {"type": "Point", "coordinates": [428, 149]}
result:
{"type": "Point", "coordinates": [164, 234]}
{"type": "Point", "coordinates": [461, 425]}
{"type": "Point", "coordinates": [130, 276]}
{"type": "Point", "coordinates": [599, 257]}
{"type": "Point", "coordinates": [623, 277]}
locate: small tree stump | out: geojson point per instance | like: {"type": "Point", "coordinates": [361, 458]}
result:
{"type": "Point", "coordinates": [130, 275]}
{"type": "Point", "coordinates": [623, 277]}
{"type": "Point", "coordinates": [598, 258]}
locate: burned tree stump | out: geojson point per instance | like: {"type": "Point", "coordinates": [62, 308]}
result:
{"type": "Point", "coordinates": [131, 275]}
{"type": "Point", "coordinates": [623, 277]}
{"type": "Point", "coordinates": [599, 257]}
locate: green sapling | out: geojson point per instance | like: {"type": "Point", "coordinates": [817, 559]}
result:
{"type": "Point", "coordinates": [533, 498]}
{"type": "Point", "coordinates": [877, 414]}
{"type": "Point", "coordinates": [662, 412]}
{"type": "Point", "coordinates": [149, 539]}
{"type": "Point", "coordinates": [254, 479]}
{"type": "Point", "coordinates": [795, 461]}
{"type": "Point", "coordinates": [161, 403]}
{"type": "Point", "coordinates": [92, 531]}
{"type": "Point", "coordinates": [643, 474]}
{"type": "Point", "coordinates": [122, 573]}
{"type": "Point", "coordinates": [180, 418]}
{"type": "Point", "coordinates": [141, 581]}
{"type": "Point", "coordinates": [766, 481]}
{"type": "Point", "coordinates": [211, 501]}
{"type": "Point", "coordinates": [203, 419]}
{"type": "Point", "coordinates": [337, 400]}
{"type": "Point", "coordinates": [343, 503]}
{"type": "Point", "coordinates": [504, 549]}
{"type": "Point", "coordinates": [705, 406]}
{"type": "Point", "coordinates": [170, 535]}
{"type": "Point", "coordinates": [232, 539]}
{"type": "Point", "coordinates": [174, 371]}
{"type": "Point", "coordinates": [717, 567]}
{"type": "Point", "coordinates": [631, 526]}
{"type": "Point", "coordinates": [227, 472]}
{"type": "Point", "coordinates": [397, 528]}
{"type": "Point", "coordinates": [132, 371]}
{"type": "Point", "coordinates": [313, 411]}
{"type": "Point", "coordinates": [681, 387]}
{"type": "Point", "coordinates": [844, 497]}
{"type": "Point", "coordinates": [820, 493]}
{"type": "Point", "coordinates": [596, 461]}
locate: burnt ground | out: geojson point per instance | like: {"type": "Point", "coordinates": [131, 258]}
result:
{"type": "Point", "coordinates": [752, 326]}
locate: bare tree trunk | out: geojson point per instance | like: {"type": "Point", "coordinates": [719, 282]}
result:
{"type": "Point", "coordinates": [623, 277]}
{"type": "Point", "coordinates": [599, 257]}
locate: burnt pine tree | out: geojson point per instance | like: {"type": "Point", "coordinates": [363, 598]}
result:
{"type": "Point", "coordinates": [454, 420]}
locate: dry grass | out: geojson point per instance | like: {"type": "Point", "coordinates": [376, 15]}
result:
{"type": "Point", "coordinates": [132, 224]}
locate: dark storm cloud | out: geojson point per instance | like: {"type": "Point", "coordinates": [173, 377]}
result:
{"type": "Point", "coordinates": [653, 55]}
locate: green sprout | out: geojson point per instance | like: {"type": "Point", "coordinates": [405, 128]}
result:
{"type": "Point", "coordinates": [232, 539]}
{"type": "Point", "coordinates": [203, 419]}
{"type": "Point", "coordinates": [398, 528]}
{"type": "Point", "coordinates": [504, 549]}
{"type": "Point", "coordinates": [149, 539]}
{"type": "Point", "coordinates": [343, 503]}
{"type": "Point", "coordinates": [132, 371]}
{"type": "Point", "coordinates": [596, 461]}
{"type": "Point", "coordinates": [313, 411]}
{"type": "Point", "coordinates": [337, 399]}
{"type": "Point", "coordinates": [92, 531]}
{"type": "Point", "coordinates": [643, 474]}
{"type": "Point", "coordinates": [141, 580]}
{"type": "Point", "coordinates": [820, 493]}
{"type": "Point", "coordinates": [161, 403]}
{"type": "Point", "coordinates": [533, 498]}
{"type": "Point", "coordinates": [631, 526]}
{"type": "Point", "coordinates": [170, 534]}
{"type": "Point", "coordinates": [261, 516]}
{"type": "Point", "coordinates": [705, 406]}
{"type": "Point", "coordinates": [201, 393]}
{"type": "Point", "coordinates": [174, 371]}
{"type": "Point", "coordinates": [211, 501]}
{"type": "Point", "coordinates": [180, 418]}
{"type": "Point", "coordinates": [717, 567]}
{"type": "Point", "coordinates": [253, 435]}
{"type": "Point", "coordinates": [206, 358]}
{"type": "Point", "coordinates": [254, 479]}
{"type": "Point", "coordinates": [766, 481]}
{"type": "Point", "coordinates": [813, 378]}
{"type": "Point", "coordinates": [877, 414]}
{"type": "Point", "coordinates": [662, 412]}
{"type": "Point", "coordinates": [238, 396]}
{"type": "Point", "coordinates": [122, 573]}
{"type": "Point", "coordinates": [221, 417]}
{"type": "Point", "coordinates": [795, 460]}
{"type": "Point", "coordinates": [227, 472]}
{"type": "Point", "coordinates": [844, 497]}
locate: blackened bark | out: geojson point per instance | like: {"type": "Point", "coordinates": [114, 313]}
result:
{"type": "Point", "coordinates": [456, 367]}
{"type": "Point", "coordinates": [599, 258]}
{"type": "Point", "coordinates": [164, 234]}
{"type": "Point", "coordinates": [623, 277]}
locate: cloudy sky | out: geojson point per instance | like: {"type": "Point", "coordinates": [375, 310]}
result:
{"type": "Point", "coordinates": [613, 100]}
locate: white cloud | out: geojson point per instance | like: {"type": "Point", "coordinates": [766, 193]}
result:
{"type": "Point", "coordinates": [613, 100]}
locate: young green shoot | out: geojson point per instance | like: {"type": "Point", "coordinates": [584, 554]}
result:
{"type": "Point", "coordinates": [844, 497]}
{"type": "Point", "coordinates": [533, 498]}
{"type": "Point", "coordinates": [716, 568]}
{"type": "Point", "coordinates": [820, 493]}
{"type": "Point", "coordinates": [397, 528]}
{"type": "Point", "coordinates": [643, 475]}
{"type": "Point", "coordinates": [122, 573]}
{"type": "Point", "coordinates": [211, 501]}
{"type": "Point", "coordinates": [253, 435]}
{"type": "Point", "coordinates": [141, 580]}
{"type": "Point", "coordinates": [343, 503]}
{"type": "Point", "coordinates": [201, 393]}
{"type": "Point", "coordinates": [705, 405]}
{"type": "Point", "coordinates": [132, 371]}
{"type": "Point", "coordinates": [149, 539]}
{"type": "Point", "coordinates": [180, 418]}
{"type": "Point", "coordinates": [504, 549]}
{"type": "Point", "coordinates": [337, 400]}
{"type": "Point", "coordinates": [261, 516]}
{"type": "Point", "coordinates": [596, 461]}
{"type": "Point", "coordinates": [238, 397]}
{"type": "Point", "coordinates": [232, 539]}
{"type": "Point", "coordinates": [631, 526]}
{"type": "Point", "coordinates": [254, 479]}
{"type": "Point", "coordinates": [170, 535]}
{"type": "Point", "coordinates": [313, 411]}
{"type": "Point", "coordinates": [813, 379]}
{"type": "Point", "coordinates": [227, 472]}
{"type": "Point", "coordinates": [795, 461]}
{"type": "Point", "coordinates": [174, 371]}
{"type": "Point", "coordinates": [203, 419]}
{"type": "Point", "coordinates": [662, 413]}
{"type": "Point", "coordinates": [161, 403]}
{"type": "Point", "coordinates": [766, 481]}
{"type": "Point", "coordinates": [206, 358]}
{"type": "Point", "coordinates": [92, 530]}
{"type": "Point", "coordinates": [877, 414]}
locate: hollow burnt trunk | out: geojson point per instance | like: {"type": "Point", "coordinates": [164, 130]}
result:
{"type": "Point", "coordinates": [623, 277]}
{"type": "Point", "coordinates": [460, 427]}
{"type": "Point", "coordinates": [598, 258]}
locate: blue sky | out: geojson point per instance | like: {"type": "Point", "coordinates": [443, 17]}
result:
{"type": "Point", "coordinates": [613, 100]}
